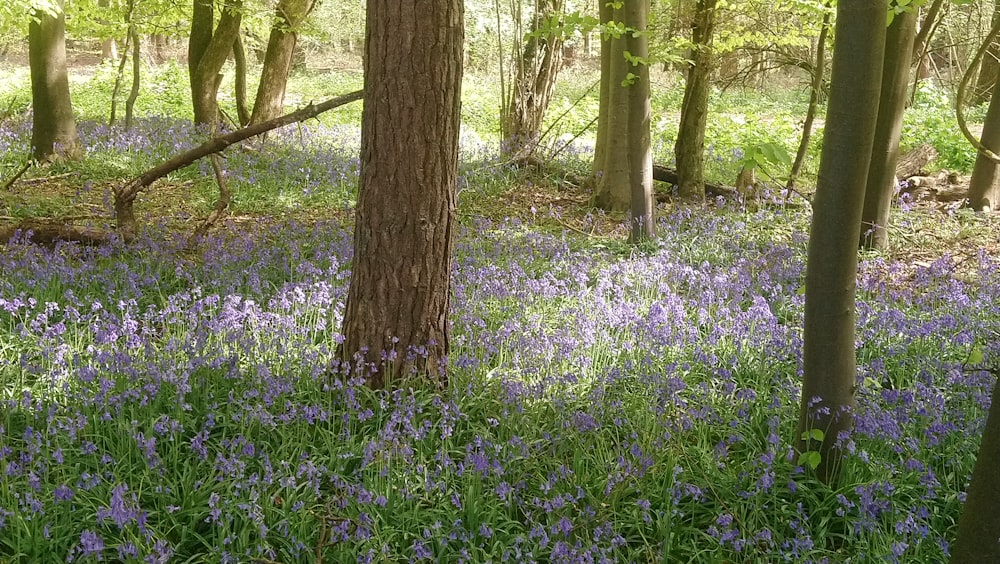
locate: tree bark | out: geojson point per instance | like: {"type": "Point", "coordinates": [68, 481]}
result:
{"type": "Point", "coordinates": [640, 153]}
{"type": "Point", "coordinates": [53, 129]}
{"type": "Point", "coordinates": [984, 191]}
{"type": "Point", "coordinates": [133, 94]}
{"type": "Point", "coordinates": [815, 90]}
{"type": "Point", "coordinates": [689, 149]}
{"type": "Point", "coordinates": [537, 69]}
{"type": "Point", "coordinates": [240, 81]}
{"type": "Point", "coordinates": [288, 16]}
{"type": "Point", "coordinates": [612, 173]}
{"type": "Point", "coordinates": [829, 363]}
{"type": "Point", "coordinates": [207, 52]}
{"type": "Point", "coordinates": [978, 538]}
{"type": "Point", "coordinates": [396, 316]}
{"type": "Point", "coordinates": [989, 68]}
{"type": "Point", "coordinates": [888, 128]}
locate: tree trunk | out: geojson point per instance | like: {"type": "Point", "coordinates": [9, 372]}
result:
{"type": "Point", "coordinates": [888, 128]}
{"type": "Point", "coordinates": [605, 15]}
{"type": "Point", "coordinates": [537, 69]}
{"type": "Point", "coordinates": [109, 47]}
{"type": "Point", "coordinates": [240, 81]}
{"type": "Point", "coordinates": [815, 90]}
{"type": "Point", "coordinates": [612, 173]}
{"type": "Point", "coordinates": [288, 16]}
{"type": "Point", "coordinates": [133, 94]}
{"type": "Point", "coordinates": [989, 68]}
{"type": "Point", "coordinates": [640, 152]}
{"type": "Point", "coordinates": [978, 538]}
{"type": "Point", "coordinates": [689, 149]}
{"type": "Point", "coordinates": [396, 316]}
{"type": "Point", "coordinates": [927, 25]}
{"type": "Point", "coordinates": [829, 363]}
{"type": "Point", "coordinates": [984, 191]}
{"type": "Point", "coordinates": [53, 130]}
{"type": "Point", "coordinates": [207, 52]}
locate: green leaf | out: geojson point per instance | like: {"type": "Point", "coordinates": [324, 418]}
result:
{"type": "Point", "coordinates": [813, 434]}
{"type": "Point", "coordinates": [976, 355]}
{"type": "Point", "coordinates": [810, 458]}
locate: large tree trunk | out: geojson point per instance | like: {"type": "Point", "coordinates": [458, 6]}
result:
{"type": "Point", "coordinates": [829, 363]}
{"type": "Point", "coordinates": [53, 130]}
{"type": "Point", "coordinates": [537, 69]}
{"type": "Point", "coordinates": [888, 129]}
{"type": "Point", "coordinates": [207, 52]}
{"type": "Point", "coordinates": [640, 153]}
{"type": "Point", "coordinates": [815, 90]}
{"type": "Point", "coordinates": [612, 173]}
{"type": "Point", "coordinates": [288, 16]}
{"type": "Point", "coordinates": [396, 317]}
{"type": "Point", "coordinates": [984, 191]}
{"type": "Point", "coordinates": [689, 149]}
{"type": "Point", "coordinates": [978, 538]}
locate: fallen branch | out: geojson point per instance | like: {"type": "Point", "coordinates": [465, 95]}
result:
{"type": "Point", "coordinates": [20, 172]}
{"type": "Point", "coordinates": [125, 195]}
{"type": "Point", "coordinates": [48, 233]}
{"type": "Point", "coordinates": [669, 175]}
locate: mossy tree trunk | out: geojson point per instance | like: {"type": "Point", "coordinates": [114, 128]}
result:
{"type": "Point", "coordinates": [396, 317]}
{"type": "Point", "coordinates": [53, 129]}
{"type": "Point", "coordinates": [880, 187]}
{"type": "Point", "coordinates": [689, 149]}
{"type": "Point", "coordinates": [829, 362]}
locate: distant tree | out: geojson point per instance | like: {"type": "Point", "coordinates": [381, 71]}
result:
{"type": "Point", "coordinates": [396, 316]}
{"type": "Point", "coordinates": [978, 537]}
{"type": "Point", "coordinates": [880, 187]}
{"type": "Point", "coordinates": [989, 67]}
{"type": "Point", "coordinates": [288, 17]}
{"type": "Point", "coordinates": [817, 72]}
{"type": "Point", "coordinates": [209, 46]}
{"type": "Point", "coordinates": [689, 149]}
{"type": "Point", "coordinates": [536, 69]}
{"type": "Point", "coordinates": [984, 191]}
{"type": "Point", "coordinates": [829, 362]}
{"type": "Point", "coordinates": [53, 130]}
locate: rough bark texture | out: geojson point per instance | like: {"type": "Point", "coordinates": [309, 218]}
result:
{"type": "Point", "coordinates": [612, 174]}
{"type": "Point", "coordinates": [880, 187]}
{"type": "Point", "coordinates": [815, 90]}
{"type": "Point", "coordinates": [288, 16]}
{"type": "Point", "coordinates": [829, 363]}
{"type": "Point", "coordinates": [206, 57]}
{"type": "Point", "coordinates": [396, 317]}
{"type": "Point", "coordinates": [984, 190]}
{"type": "Point", "coordinates": [978, 537]}
{"type": "Point", "coordinates": [689, 149]}
{"type": "Point", "coordinates": [640, 152]}
{"type": "Point", "coordinates": [537, 69]}
{"type": "Point", "coordinates": [53, 130]}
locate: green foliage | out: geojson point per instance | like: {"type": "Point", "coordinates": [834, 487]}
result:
{"type": "Point", "coordinates": [931, 119]}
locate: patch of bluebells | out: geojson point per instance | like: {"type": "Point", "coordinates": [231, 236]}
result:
{"type": "Point", "coordinates": [603, 408]}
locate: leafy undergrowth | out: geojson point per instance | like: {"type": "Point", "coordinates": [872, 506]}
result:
{"type": "Point", "coordinates": [606, 404]}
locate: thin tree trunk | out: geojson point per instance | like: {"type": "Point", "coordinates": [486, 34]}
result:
{"type": "Point", "coordinates": [888, 129]}
{"type": "Point", "coordinates": [689, 150]}
{"type": "Point", "coordinates": [815, 90]}
{"type": "Point", "coordinates": [829, 363]}
{"type": "Point", "coordinates": [270, 100]}
{"type": "Point", "coordinates": [211, 56]}
{"type": "Point", "coordinates": [989, 68]}
{"type": "Point", "coordinates": [978, 538]}
{"type": "Point", "coordinates": [53, 130]}
{"type": "Point", "coordinates": [640, 151]}
{"type": "Point", "coordinates": [133, 94]}
{"type": "Point", "coordinates": [396, 316]}
{"type": "Point", "coordinates": [240, 82]}
{"type": "Point", "coordinates": [605, 14]}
